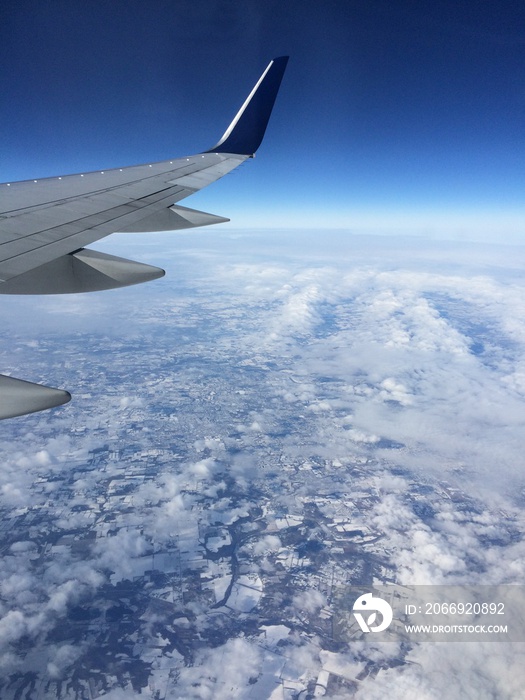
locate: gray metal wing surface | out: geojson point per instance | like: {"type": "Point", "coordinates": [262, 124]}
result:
{"type": "Point", "coordinates": [43, 220]}
{"type": "Point", "coordinates": [46, 224]}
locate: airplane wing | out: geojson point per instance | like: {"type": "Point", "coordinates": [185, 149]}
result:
{"type": "Point", "coordinates": [45, 224]}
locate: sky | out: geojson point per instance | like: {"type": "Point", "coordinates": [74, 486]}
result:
{"type": "Point", "coordinates": [404, 116]}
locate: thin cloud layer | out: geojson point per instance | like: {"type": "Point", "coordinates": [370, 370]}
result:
{"type": "Point", "coordinates": [266, 434]}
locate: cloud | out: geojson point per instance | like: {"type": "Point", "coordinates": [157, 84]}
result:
{"type": "Point", "coordinates": [310, 601]}
{"type": "Point", "coordinates": [13, 626]}
{"type": "Point", "coordinates": [369, 384]}
{"type": "Point", "coordinates": [266, 545]}
{"type": "Point", "coordinates": [221, 673]}
{"type": "Point", "coordinates": [61, 657]}
{"type": "Point", "coordinates": [466, 671]}
{"type": "Point", "coordinates": [117, 552]}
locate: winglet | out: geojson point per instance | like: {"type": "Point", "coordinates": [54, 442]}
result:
{"type": "Point", "coordinates": [245, 133]}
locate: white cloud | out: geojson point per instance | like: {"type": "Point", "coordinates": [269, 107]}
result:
{"type": "Point", "coordinates": [369, 363]}
{"type": "Point", "coordinates": [12, 626]}
{"type": "Point", "coordinates": [459, 671]}
{"type": "Point", "coordinates": [221, 673]}
{"type": "Point", "coordinates": [61, 657]}
{"type": "Point", "coordinates": [266, 544]}
{"type": "Point", "coordinates": [310, 601]}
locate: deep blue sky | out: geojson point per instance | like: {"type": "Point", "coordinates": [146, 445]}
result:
{"type": "Point", "coordinates": [396, 112]}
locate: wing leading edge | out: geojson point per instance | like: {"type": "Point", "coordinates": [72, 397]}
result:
{"type": "Point", "coordinates": [45, 224]}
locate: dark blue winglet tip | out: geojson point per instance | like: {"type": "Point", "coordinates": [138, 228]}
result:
{"type": "Point", "coordinates": [246, 132]}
